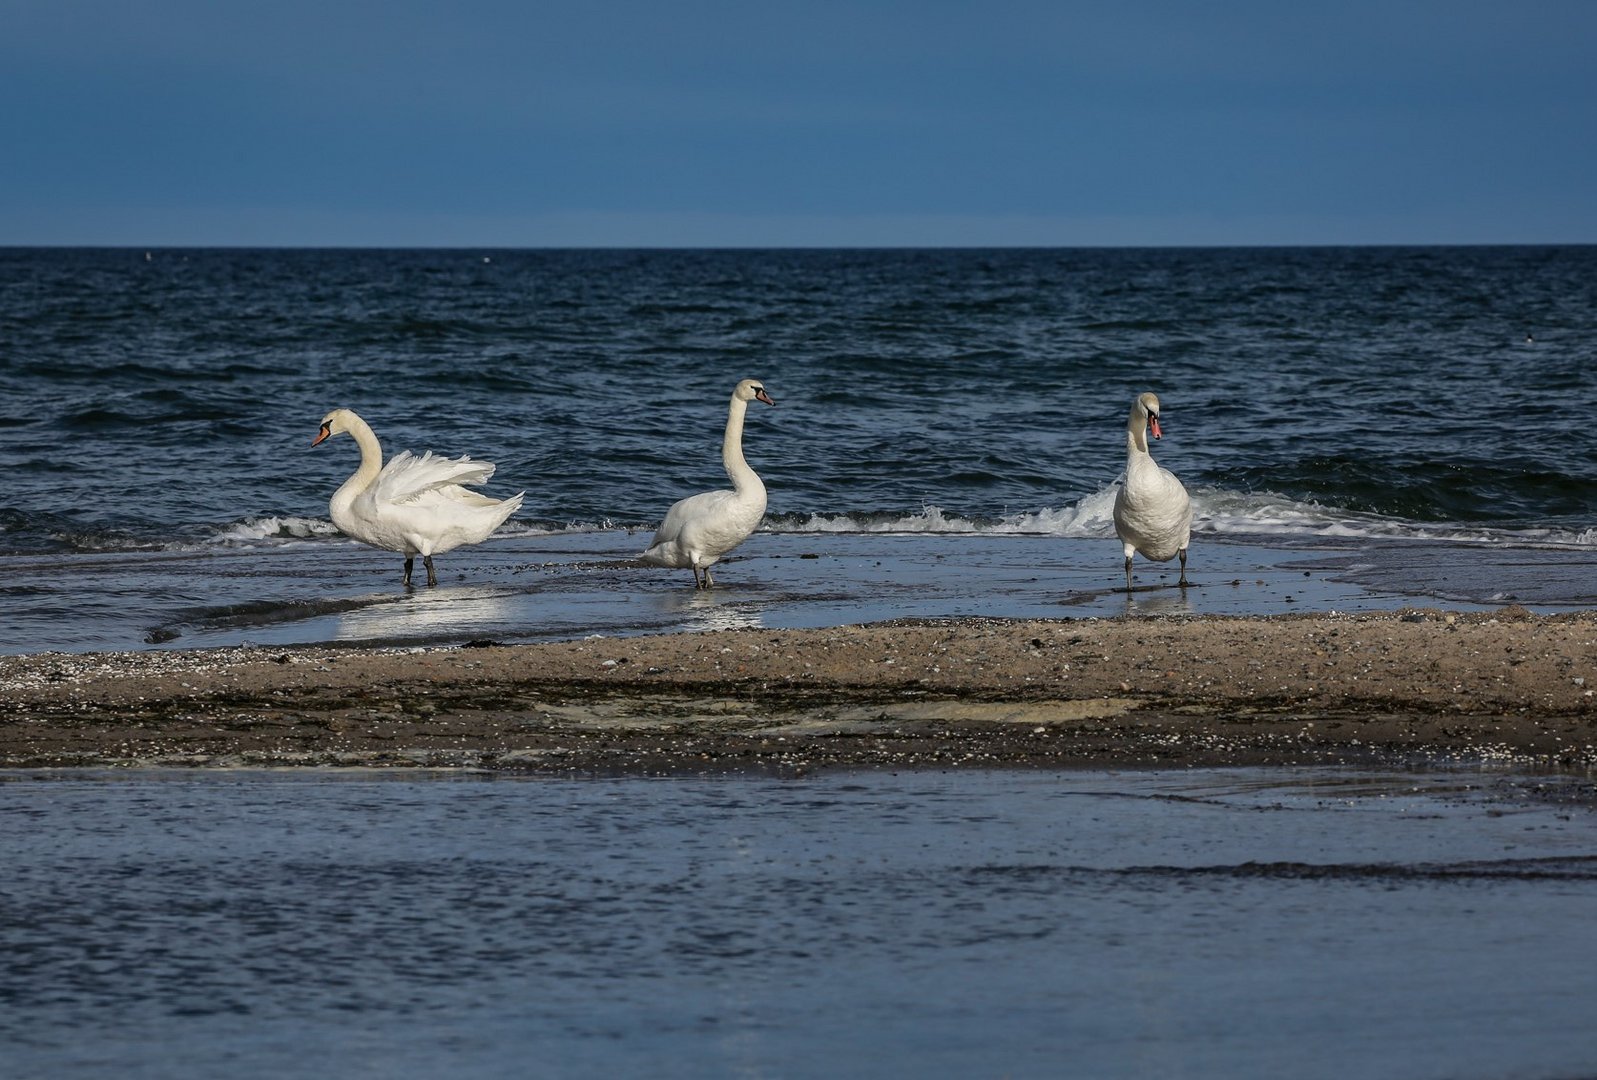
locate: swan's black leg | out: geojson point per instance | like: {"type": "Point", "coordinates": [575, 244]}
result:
{"type": "Point", "coordinates": [410, 561]}
{"type": "Point", "coordinates": [1183, 581]}
{"type": "Point", "coordinates": [1128, 573]}
{"type": "Point", "coordinates": [427, 561]}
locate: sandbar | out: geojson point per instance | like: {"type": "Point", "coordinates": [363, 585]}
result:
{"type": "Point", "coordinates": [1412, 685]}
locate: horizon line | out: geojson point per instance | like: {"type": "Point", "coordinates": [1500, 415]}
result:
{"type": "Point", "coordinates": [797, 247]}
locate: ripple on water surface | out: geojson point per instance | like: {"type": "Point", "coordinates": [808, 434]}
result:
{"type": "Point", "coordinates": [1213, 923]}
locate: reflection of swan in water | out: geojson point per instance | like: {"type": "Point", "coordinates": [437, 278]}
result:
{"type": "Point", "coordinates": [442, 614]}
{"type": "Point", "coordinates": [1171, 601]}
{"type": "Point", "coordinates": [704, 611]}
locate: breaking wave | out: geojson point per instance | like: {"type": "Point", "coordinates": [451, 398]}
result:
{"type": "Point", "coordinates": [1264, 517]}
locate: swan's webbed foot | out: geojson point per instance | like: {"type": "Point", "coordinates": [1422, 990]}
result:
{"type": "Point", "coordinates": [410, 561]}
{"type": "Point", "coordinates": [427, 561]}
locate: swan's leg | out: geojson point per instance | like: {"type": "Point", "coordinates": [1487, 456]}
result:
{"type": "Point", "coordinates": [1183, 581]}
{"type": "Point", "coordinates": [427, 561]}
{"type": "Point", "coordinates": [1128, 573]}
{"type": "Point", "coordinates": [709, 582]}
{"type": "Point", "coordinates": [410, 561]}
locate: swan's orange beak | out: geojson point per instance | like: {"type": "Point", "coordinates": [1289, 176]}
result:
{"type": "Point", "coordinates": [326, 431]}
{"type": "Point", "coordinates": [761, 395]}
{"type": "Point", "coordinates": [1153, 425]}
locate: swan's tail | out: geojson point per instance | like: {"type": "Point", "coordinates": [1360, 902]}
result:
{"type": "Point", "coordinates": [663, 553]}
{"type": "Point", "coordinates": [498, 512]}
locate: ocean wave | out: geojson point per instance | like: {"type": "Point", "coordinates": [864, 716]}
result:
{"type": "Point", "coordinates": [1261, 516]}
{"type": "Point", "coordinates": [280, 528]}
{"type": "Point", "coordinates": [1089, 518]}
{"type": "Point", "coordinates": [1270, 516]}
{"type": "Point", "coordinates": [253, 530]}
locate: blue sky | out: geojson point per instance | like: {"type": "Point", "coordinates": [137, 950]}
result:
{"type": "Point", "coordinates": [510, 124]}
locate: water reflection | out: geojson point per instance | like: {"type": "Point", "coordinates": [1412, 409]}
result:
{"type": "Point", "coordinates": [440, 611]}
{"type": "Point", "coordinates": [1159, 601]}
{"type": "Point", "coordinates": [703, 609]}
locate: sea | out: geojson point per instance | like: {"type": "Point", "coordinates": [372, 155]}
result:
{"type": "Point", "coordinates": [1411, 425]}
{"type": "Point", "coordinates": [1360, 429]}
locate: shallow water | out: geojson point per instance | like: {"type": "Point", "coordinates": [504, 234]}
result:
{"type": "Point", "coordinates": [568, 585]}
{"type": "Point", "coordinates": [1207, 923]}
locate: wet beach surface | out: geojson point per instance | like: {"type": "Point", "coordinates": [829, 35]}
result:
{"type": "Point", "coordinates": [567, 585]}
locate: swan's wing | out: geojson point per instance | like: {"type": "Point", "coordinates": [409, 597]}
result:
{"type": "Point", "coordinates": [684, 511]}
{"type": "Point", "coordinates": [406, 476]}
{"type": "Point", "coordinates": [1176, 492]}
{"type": "Point", "coordinates": [454, 493]}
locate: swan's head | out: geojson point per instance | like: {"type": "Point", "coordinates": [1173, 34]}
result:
{"type": "Point", "coordinates": [334, 423]}
{"type": "Point", "coordinates": [751, 390]}
{"type": "Point", "coordinates": [1147, 409]}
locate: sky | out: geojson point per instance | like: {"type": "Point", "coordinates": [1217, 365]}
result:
{"type": "Point", "coordinates": [523, 123]}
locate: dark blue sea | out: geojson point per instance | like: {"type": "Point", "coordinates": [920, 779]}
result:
{"type": "Point", "coordinates": [1399, 410]}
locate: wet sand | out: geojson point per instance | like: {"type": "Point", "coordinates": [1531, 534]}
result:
{"type": "Point", "coordinates": [1504, 685]}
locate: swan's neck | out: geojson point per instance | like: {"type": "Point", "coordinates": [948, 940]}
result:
{"type": "Point", "coordinates": [744, 479]}
{"type": "Point", "coordinates": [371, 463]}
{"type": "Point", "coordinates": [1136, 435]}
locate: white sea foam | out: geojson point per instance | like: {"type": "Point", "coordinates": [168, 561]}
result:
{"type": "Point", "coordinates": [281, 528]}
{"type": "Point", "coordinates": [931, 519]}
{"type": "Point", "coordinates": [1242, 515]}
{"type": "Point", "coordinates": [253, 530]}
{"type": "Point", "coordinates": [530, 528]}
{"type": "Point", "coordinates": [1260, 516]}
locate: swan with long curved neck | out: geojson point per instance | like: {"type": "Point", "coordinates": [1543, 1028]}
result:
{"type": "Point", "coordinates": [1153, 514]}
{"type": "Point", "coordinates": [698, 530]}
{"type": "Point", "coordinates": [413, 505]}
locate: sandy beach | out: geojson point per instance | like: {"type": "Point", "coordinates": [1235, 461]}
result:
{"type": "Point", "coordinates": [1422, 684]}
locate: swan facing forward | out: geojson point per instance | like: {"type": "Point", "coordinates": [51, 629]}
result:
{"type": "Point", "coordinates": [1152, 512]}
{"type": "Point", "coordinates": [413, 505]}
{"type": "Point", "coordinates": [698, 530]}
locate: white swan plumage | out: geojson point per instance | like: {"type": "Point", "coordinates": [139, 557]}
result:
{"type": "Point", "coordinates": [413, 505]}
{"type": "Point", "coordinates": [1153, 514]}
{"type": "Point", "coordinates": [698, 530]}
